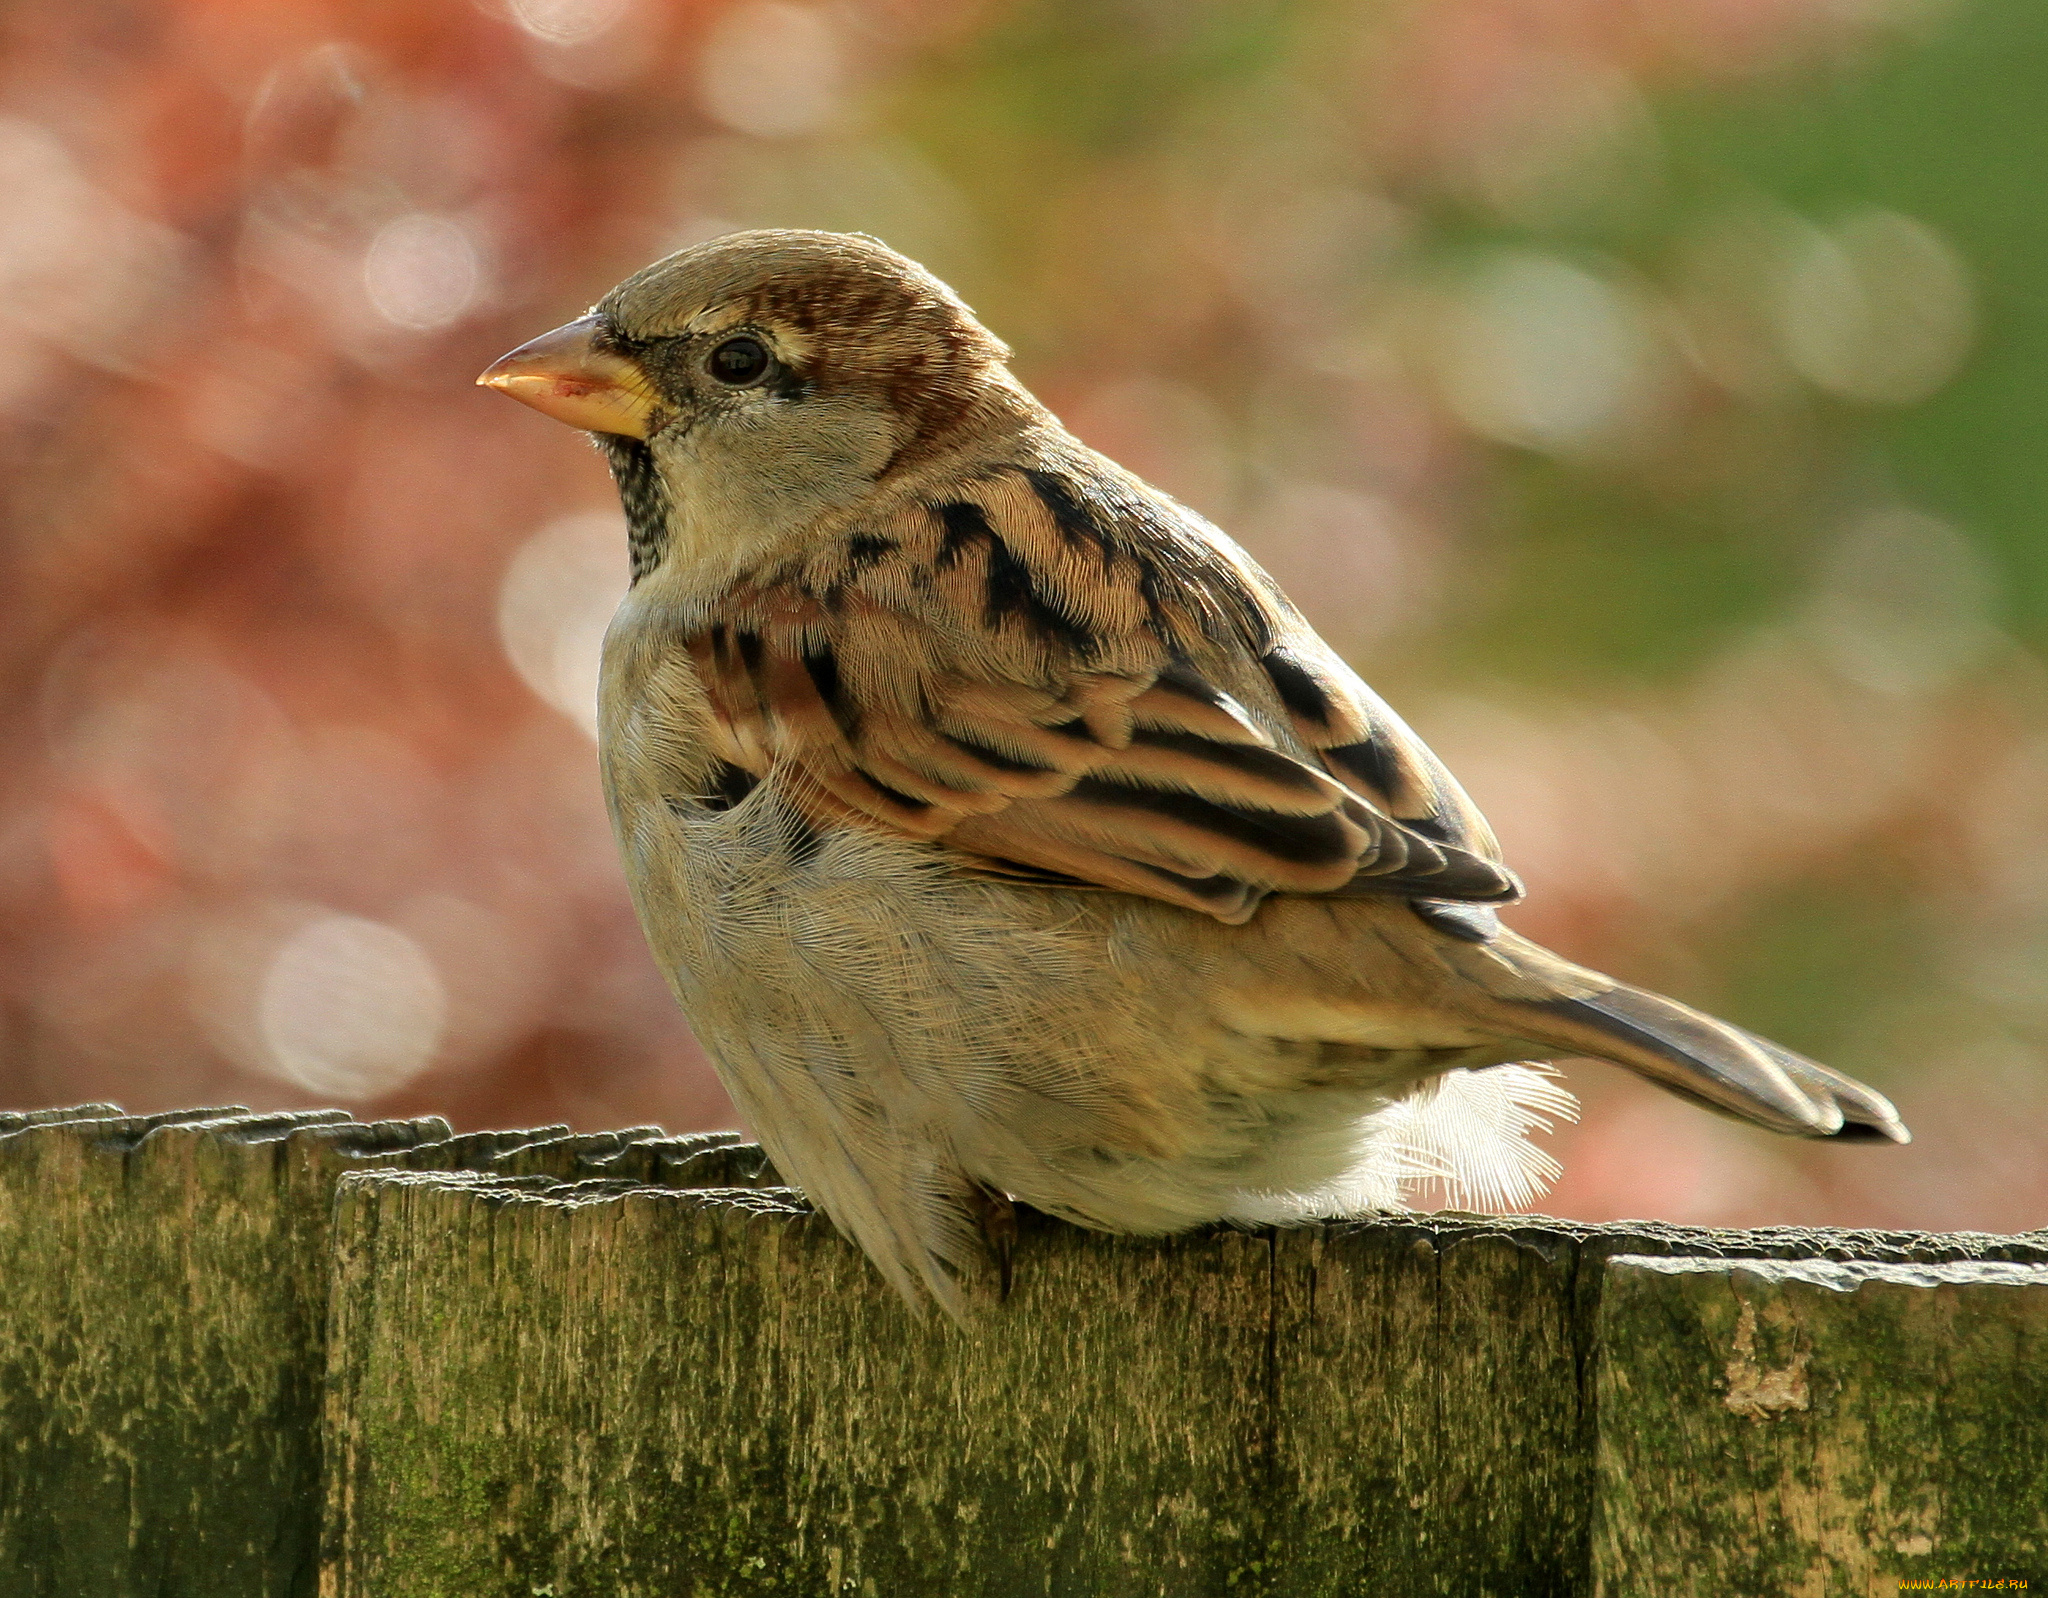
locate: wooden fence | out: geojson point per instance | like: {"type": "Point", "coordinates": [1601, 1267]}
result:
{"type": "Point", "coordinates": [272, 1356]}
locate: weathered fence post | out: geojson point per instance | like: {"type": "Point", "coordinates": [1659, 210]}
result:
{"type": "Point", "coordinates": [264, 1356]}
{"type": "Point", "coordinates": [163, 1330]}
{"type": "Point", "coordinates": [568, 1389]}
{"type": "Point", "coordinates": [1818, 1425]}
{"type": "Point", "coordinates": [163, 1302]}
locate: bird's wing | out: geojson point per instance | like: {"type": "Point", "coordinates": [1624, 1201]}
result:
{"type": "Point", "coordinates": [1059, 678]}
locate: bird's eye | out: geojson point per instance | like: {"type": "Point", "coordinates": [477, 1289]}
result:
{"type": "Point", "coordinates": [739, 361]}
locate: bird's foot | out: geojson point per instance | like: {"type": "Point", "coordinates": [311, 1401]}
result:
{"type": "Point", "coordinates": [997, 1217]}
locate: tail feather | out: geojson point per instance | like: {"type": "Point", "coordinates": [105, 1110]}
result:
{"type": "Point", "coordinates": [1712, 1063]}
{"type": "Point", "coordinates": [1867, 1115]}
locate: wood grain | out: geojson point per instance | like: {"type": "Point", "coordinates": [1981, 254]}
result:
{"type": "Point", "coordinates": [263, 1356]}
{"type": "Point", "coordinates": [1817, 1428]}
{"type": "Point", "coordinates": [163, 1330]}
{"type": "Point", "coordinates": [543, 1388]}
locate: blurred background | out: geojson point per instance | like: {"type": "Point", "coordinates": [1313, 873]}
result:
{"type": "Point", "coordinates": [1643, 394]}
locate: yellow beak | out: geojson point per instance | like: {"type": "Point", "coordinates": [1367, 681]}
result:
{"type": "Point", "coordinates": [563, 375]}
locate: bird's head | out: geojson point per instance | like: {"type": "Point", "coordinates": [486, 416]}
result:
{"type": "Point", "coordinates": [751, 383]}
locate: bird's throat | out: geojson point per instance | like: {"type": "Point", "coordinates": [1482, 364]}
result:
{"type": "Point", "coordinates": [644, 496]}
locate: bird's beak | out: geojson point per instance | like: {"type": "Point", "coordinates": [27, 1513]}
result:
{"type": "Point", "coordinates": [564, 375]}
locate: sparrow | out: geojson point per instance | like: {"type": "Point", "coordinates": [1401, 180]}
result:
{"type": "Point", "coordinates": [1007, 835]}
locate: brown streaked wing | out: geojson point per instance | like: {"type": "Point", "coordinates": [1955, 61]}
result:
{"type": "Point", "coordinates": [985, 674]}
{"type": "Point", "coordinates": [1363, 744]}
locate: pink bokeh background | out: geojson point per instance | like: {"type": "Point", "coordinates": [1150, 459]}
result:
{"type": "Point", "coordinates": [298, 800]}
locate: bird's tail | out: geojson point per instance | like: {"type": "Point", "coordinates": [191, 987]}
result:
{"type": "Point", "coordinates": [1708, 1061]}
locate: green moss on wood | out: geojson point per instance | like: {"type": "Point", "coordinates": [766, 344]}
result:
{"type": "Point", "coordinates": [1814, 1427]}
{"type": "Point", "coordinates": [163, 1331]}
{"type": "Point", "coordinates": [532, 1363]}
{"type": "Point", "coordinates": [585, 1389]}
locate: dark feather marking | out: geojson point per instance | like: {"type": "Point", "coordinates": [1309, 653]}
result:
{"type": "Point", "coordinates": [751, 649]}
{"type": "Point", "coordinates": [823, 666]}
{"type": "Point", "coordinates": [1463, 877]}
{"type": "Point", "coordinates": [1077, 729]}
{"type": "Point", "coordinates": [644, 497]}
{"type": "Point", "coordinates": [1077, 529]}
{"type": "Point", "coordinates": [865, 549]}
{"type": "Point", "coordinates": [1009, 585]}
{"type": "Point", "coordinates": [993, 757]}
{"type": "Point", "coordinates": [1152, 589]}
{"type": "Point", "coordinates": [1860, 1132]}
{"type": "Point", "coordinates": [1432, 826]}
{"type": "Point", "coordinates": [1423, 857]}
{"type": "Point", "coordinates": [803, 839]}
{"type": "Point", "coordinates": [729, 785]}
{"type": "Point", "coordinates": [1013, 591]}
{"type": "Point", "coordinates": [1182, 678]}
{"type": "Point", "coordinates": [891, 794]}
{"type": "Point", "coordinates": [1010, 588]}
{"type": "Point", "coordinates": [964, 524]}
{"type": "Point", "coordinates": [1175, 572]}
{"type": "Point", "coordinates": [1187, 571]}
{"type": "Point", "coordinates": [1301, 840]}
{"type": "Point", "coordinates": [1298, 687]}
{"type": "Point", "coordinates": [1269, 764]}
{"type": "Point", "coordinates": [1042, 875]}
{"type": "Point", "coordinates": [1369, 761]}
{"type": "Point", "coordinates": [1218, 888]}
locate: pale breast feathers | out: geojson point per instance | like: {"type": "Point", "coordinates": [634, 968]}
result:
{"type": "Point", "coordinates": [1058, 679]}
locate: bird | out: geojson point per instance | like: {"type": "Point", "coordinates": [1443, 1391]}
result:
{"type": "Point", "coordinates": [1005, 833]}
